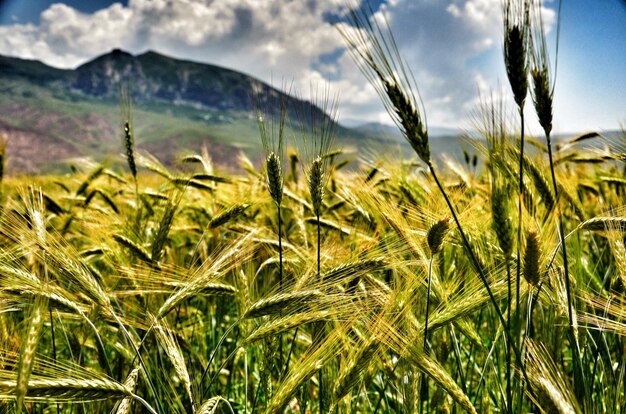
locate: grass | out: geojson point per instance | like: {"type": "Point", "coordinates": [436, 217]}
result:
{"type": "Point", "coordinates": [398, 287]}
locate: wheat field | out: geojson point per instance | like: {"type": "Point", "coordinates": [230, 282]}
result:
{"type": "Point", "coordinates": [308, 285]}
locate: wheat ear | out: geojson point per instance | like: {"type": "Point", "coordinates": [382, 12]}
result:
{"type": "Point", "coordinates": [354, 369]}
{"type": "Point", "coordinates": [211, 405]}
{"type": "Point", "coordinates": [227, 215]}
{"type": "Point", "coordinates": [436, 234]}
{"type": "Point", "coordinates": [604, 224]}
{"type": "Point", "coordinates": [125, 405]}
{"type": "Point", "coordinates": [281, 302]}
{"type": "Point", "coordinates": [175, 354]}
{"type": "Point", "coordinates": [129, 137]}
{"type": "Point", "coordinates": [27, 353]}
{"type": "Point", "coordinates": [501, 219]}
{"type": "Point", "coordinates": [531, 258]}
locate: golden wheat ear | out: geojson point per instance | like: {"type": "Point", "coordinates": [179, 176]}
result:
{"type": "Point", "coordinates": [125, 405]}
{"type": "Point", "coordinates": [165, 338]}
{"type": "Point", "coordinates": [30, 342]}
{"type": "Point", "coordinates": [211, 405]}
{"type": "Point", "coordinates": [553, 394]}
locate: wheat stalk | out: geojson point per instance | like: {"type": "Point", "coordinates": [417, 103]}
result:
{"type": "Point", "coordinates": [285, 323]}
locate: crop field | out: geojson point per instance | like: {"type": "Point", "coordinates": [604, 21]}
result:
{"type": "Point", "coordinates": [486, 285]}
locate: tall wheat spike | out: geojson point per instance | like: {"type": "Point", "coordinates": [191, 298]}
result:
{"type": "Point", "coordinates": [377, 55]}
{"type": "Point", "coordinates": [318, 129]}
{"type": "Point", "coordinates": [516, 46]}
{"type": "Point", "coordinates": [541, 74]}
{"type": "Point", "coordinates": [127, 128]}
{"type": "Point", "coordinates": [516, 18]}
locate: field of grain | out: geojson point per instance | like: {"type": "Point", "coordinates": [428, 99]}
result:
{"type": "Point", "coordinates": [491, 285]}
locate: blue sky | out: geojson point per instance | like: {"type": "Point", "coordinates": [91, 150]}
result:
{"type": "Point", "coordinates": [453, 47]}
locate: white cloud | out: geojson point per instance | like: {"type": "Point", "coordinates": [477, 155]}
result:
{"type": "Point", "coordinates": [278, 39]}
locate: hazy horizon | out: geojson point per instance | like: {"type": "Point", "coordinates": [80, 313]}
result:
{"type": "Point", "coordinates": [454, 48]}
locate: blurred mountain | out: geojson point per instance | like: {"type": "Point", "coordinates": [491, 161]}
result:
{"type": "Point", "coordinates": [179, 106]}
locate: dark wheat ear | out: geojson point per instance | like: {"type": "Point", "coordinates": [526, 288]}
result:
{"type": "Point", "coordinates": [436, 234]}
{"type": "Point", "coordinates": [502, 225]}
{"type": "Point", "coordinates": [414, 129]}
{"type": "Point", "coordinates": [211, 405]}
{"type": "Point", "coordinates": [543, 89]}
{"type": "Point", "coordinates": [532, 257]}
{"type": "Point", "coordinates": [271, 115]}
{"type": "Point", "coordinates": [516, 43]}
{"type": "Point", "coordinates": [127, 127]}
{"type": "Point", "coordinates": [274, 177]}
{"type": "Point", "coordinates": [316, 185]}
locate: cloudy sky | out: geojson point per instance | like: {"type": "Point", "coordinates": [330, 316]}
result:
{"type": "Point", "coordinates": [452, 46]}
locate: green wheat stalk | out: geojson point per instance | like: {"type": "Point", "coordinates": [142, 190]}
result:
{"type": "Point", "coordinates": [543, 97]}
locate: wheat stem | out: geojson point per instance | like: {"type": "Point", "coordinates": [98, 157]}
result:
{"type": "Point", "coordinates": [430, 279]}
{"type": "Point", "coordinates": [579, 378]}
{"type": "Point", "coordinates": [477, 266]}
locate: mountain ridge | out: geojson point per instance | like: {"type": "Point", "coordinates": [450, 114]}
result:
{"type": "Point", "coordinates": [53, 115]}
{"type": "Point", "coordinates": [179, 105]}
